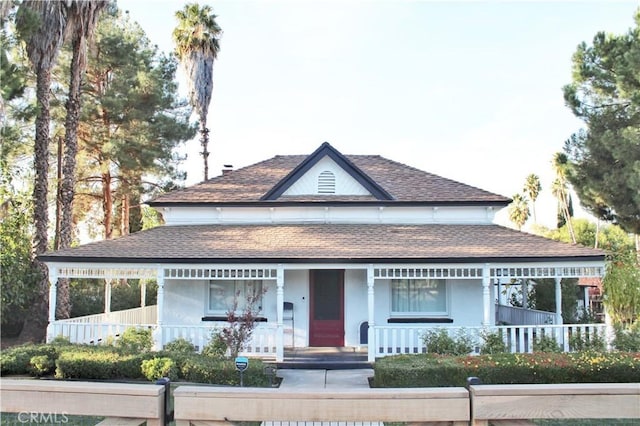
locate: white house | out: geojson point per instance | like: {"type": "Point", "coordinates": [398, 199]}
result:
{"type": "Point", "coordinates": [351, 250]}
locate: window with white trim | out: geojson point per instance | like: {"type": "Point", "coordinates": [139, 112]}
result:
{"type": "Point", "coordinates": [327, 182]}
{"type": "Point", "coordinates": [222, 293]}
{"type": "Point", "coordinates": [419, 297]}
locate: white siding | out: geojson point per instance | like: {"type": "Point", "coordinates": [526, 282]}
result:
{"type": "Point", "coordinates": [308, 183]}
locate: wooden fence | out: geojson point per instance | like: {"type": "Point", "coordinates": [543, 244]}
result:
{"type": "Point", "coordinates": [134, 404]}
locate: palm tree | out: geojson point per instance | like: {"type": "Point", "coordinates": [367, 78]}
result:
{"type": "Point", "coordinates": [82, 17]}
{"type": "Point", "coordinates": [560, 190]}
{"type": "Point", "coordinates": [43, 42]}
{"type": "Point", "coordinates": [519, 211]}
{"type": "Point", "coordinates": [532, 189]}
{"type": "Point", "coordinates": [197, 45]}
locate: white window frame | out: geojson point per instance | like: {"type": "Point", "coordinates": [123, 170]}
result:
{"type": "Point", "coordinates": [429, 314]}
{"type": "Point", "coordinates": [242, 297]}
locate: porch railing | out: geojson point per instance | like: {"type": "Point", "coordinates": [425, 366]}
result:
{"type": "Point", "coordinates": [393, 340]}
{"type": "Point", "coordinates": [513, 315]}
{"type": "Point", "coordinates": [263, 340]}
{"type": "Point", "coordinates": [143, 315]}
{"type": "Point", "coordinates": [90, 333]}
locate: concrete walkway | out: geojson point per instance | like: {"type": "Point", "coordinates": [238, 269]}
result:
{"type": "Point", "coordinates": [325, 379]}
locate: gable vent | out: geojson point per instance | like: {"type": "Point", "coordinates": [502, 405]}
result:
{"type": "Point", "coordinates": [327, 183]}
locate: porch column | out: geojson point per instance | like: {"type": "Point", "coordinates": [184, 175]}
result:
{"type": "Point", "coordinates": [525, 293]}
{"type": "Point", "coordinates": [53, 294]}
{"type": "Point", "coordinates": [280, 314]}
{"type": "Point", "coordinates": [159, 334]}
{"type": "Point", "coordinates": [486, 296]}
{"type": "Point", "coordinates": [107, 295]}
{"type": "Point", "coordinates": [143, 293]}
{"type": "Point", "coordinates": [371, 343]}
{"type": "Point", "coordinates": [558, 301]}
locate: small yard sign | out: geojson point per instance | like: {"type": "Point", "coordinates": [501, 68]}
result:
{"type": "Point", "coordinates": [242, 362]}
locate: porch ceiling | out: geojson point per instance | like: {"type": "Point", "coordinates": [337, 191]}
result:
{"type": "Point", "coordinates": [323, 243]}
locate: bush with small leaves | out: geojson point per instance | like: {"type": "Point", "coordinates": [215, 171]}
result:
{"type": "Point", "coordinates": [546, 343]}
{"type": "Point", "coordinates": [439, 342]}
{"type": "Point", "coordinates": [156, 368]}
{"type": "Point", "coordinates": [493, 343]}
{"type": "Point", "coordinates": [216, 348]}
{"type": "Point", "coordinates": [135, 340]}
{"type": "Point", "coordinates": [180, 345]}
{"type": "Point", "coordinates": [41, 365]}
{"type": "Point", "coordinates": [627, 339]}
{"type": "Point", "coordinates": [592, 341]}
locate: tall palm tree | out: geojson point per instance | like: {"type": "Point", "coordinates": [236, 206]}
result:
{"type": "Point", "coordinates": [532, 189]}
{"type": "Point", "coordinates": [519, 211]}
{"type": "Point", "coordinates": [43, 42]}
{"type": "Point", "coordinates": [560, 190]}
{"type": "Point", "coordinates": [197, 45]}
{"type": "Point", "coordinates": [82, 19]}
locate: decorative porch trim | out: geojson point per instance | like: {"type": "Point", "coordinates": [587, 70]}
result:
{"type": "Point", "coordinates": [546, 271]}
{"type": "Point", "coordinates": [211, 273]}
{"type": "Point", "coordinates": [440, 272]}
{"type": "Point", "coordinates": [107, 273]}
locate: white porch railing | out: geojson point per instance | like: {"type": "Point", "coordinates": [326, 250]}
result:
{"type": "Point", "coordinates": [520, 316]}
{"type": "Point", "coordinates": [91, 333]}
{"type": "Point", "coordinates": [263, 341]}
{"type": "Point", "coordinates": [144, 315]}
{"type": "Point", "coordinates": [394, 340]}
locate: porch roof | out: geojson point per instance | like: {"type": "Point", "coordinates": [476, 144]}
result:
{"type": "Point", "coordinates": [318, 243]}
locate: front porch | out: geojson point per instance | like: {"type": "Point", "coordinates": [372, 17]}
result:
{"type": "Point", "coordinates": [387, 339]}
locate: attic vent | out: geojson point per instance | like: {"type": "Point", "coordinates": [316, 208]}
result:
{"type": "Point", "coordinates": [327, 183]}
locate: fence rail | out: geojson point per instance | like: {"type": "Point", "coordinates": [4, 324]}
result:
{"type": "Point", "coordinates": [143, 315]}
{"type": "Point", "coordinates": [520, 316]}
{"type": "Point", "coordinates": [133, 404]}
{"type": "Point", "coordinates": [120, 403]}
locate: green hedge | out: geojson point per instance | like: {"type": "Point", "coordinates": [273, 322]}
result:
{"type": "Point", "coordinates": [435, 370]}
{"type": "Point", "coordinates": [110, 363]}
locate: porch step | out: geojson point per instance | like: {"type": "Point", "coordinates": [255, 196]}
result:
{"type": "Point", "coordinates": [321, 358]}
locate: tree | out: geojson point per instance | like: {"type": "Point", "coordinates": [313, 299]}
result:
{"type": "Point", "coordinates": [41, 25]}
{"type": "Point", "coordinates": [82, 19]}
{"type": "Point", "coordinates": [560, 190]}
{"type": "Point", "coordinates": [132, 119]}
{"type": "Point", "coordinates": [519, 211]}
{"type": "Point", "coordinates": [604, 156]}
{"type": "Point", "coordinates": [532, 189]}
{"type": "Point", "coordinates": [197, 45]}
{"type": "Point", "coordinates": [542, 296]}
{"type": "Point", "coordinates": [622, 292]}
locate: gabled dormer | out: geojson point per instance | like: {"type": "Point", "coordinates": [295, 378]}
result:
{"type": "Point", "coordinates": [326, 172]}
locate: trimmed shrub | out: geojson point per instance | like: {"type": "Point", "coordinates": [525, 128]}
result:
{"type": "Point", "coordinates": [202, 369]}
{"type": "Point", "coordinates": [439, 342]}
{"type": "Point", "coordinates": [156, 368]}
{"type": "Point", "coordinates": [17, 360]}
{"type": "Point", "coordinates": [100, 364]}
{"type": "Point", "coordinates": [436, 370]}
{"type": "Point", "coordinates": [180, 345]}
{"type": "Point", "coordinates": [135, 340]}
{"type": "Point", "coordinates": [41, 365]}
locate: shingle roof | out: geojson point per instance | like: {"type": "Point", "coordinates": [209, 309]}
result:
{"type": "Point", "coordinates": [402, 182]}
{"type": "Point", "coordinates": [325, 243]}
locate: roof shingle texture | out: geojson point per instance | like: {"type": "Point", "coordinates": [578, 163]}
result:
{"type": "Point", "coordinates": [404, 183]}
{"type": "Point", "coordinates": [324, 242]}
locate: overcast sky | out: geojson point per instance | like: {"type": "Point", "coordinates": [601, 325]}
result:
{"type": "Point", "coordinates": [468, 90]}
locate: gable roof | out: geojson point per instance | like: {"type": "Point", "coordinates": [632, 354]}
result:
{"type": "Point", "coordinates": [327, 150]}
{"type": "Point", "coordinates": [326, 243]}
{"type": "Point", "coordinates": [388, 181]}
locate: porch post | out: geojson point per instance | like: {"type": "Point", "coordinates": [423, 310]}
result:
{"type": "Point", "coordinates": [486, 296]}
{"type": "Point", "coordinates": [280, 314]}
{"type": "Point", "coordinates": [525, 292]}
{"type": "Point", "coordinates": [143, 292]}
{"type": "Point", "coordinates": [558, 301]}
{"type": "Point", "coordinates": [371, 336]}
{"type": "Point", "coordinates": [107, 295]}
{"type": "Point", "coordinates": [159, 334]}
{"type": "Point", "coordinates": [53, 294]}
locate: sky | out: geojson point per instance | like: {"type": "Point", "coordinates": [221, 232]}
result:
{"type": "Point", "coordinates": [471, 91]}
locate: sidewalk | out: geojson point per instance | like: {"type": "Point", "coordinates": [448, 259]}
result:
{"type": "Point", "coordinates": [325, 379]}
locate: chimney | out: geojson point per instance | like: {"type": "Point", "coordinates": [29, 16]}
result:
{"type": "Point", "coordinates": [228, 168]}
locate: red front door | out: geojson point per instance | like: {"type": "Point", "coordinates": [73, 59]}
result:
{"type": "Point", "coordinates": [326, 322]}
